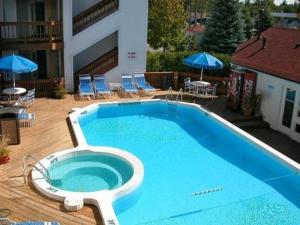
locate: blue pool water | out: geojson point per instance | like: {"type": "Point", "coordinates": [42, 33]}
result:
{"type": "Point", "coordinates": [186, 151]}
{"type": "Point", "coordinates": [89, 172]}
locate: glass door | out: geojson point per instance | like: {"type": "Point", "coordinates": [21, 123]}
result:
{"type": "Point", "coordinates": [296, 124]}
{"type": "Point", "coordinates": [289, 122]}
{"type": "Point", "coordinates": [288, 108]}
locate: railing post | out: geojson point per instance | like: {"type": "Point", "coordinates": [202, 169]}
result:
{"type": "Point", "coordinates": [175, 85]}
{"type": "Point", "coordinates": [50, 29]}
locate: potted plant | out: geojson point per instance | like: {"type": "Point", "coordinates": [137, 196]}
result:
{"type": "Point", "coordinates": [248, 104]}
{"type": "Point", "coordinates": [4, 152]}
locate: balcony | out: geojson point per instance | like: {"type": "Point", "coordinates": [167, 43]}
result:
{"type": "Point", "coordinates": [27, 35]}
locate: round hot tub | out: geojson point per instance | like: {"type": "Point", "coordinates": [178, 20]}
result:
{"type": "Point", "coordinates": [90, 175]}
{"type": "Point", "coordinates": [90, 172]}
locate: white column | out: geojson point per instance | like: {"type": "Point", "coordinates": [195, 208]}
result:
{"type": "Point", "coordinates": [68, 58]}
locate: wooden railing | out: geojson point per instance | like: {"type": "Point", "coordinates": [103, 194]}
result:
{"type": "Point", "coordinates": [101, 65]}
{"type": "Point", "coordinates": [164, 80]}
{"type": "Point", "coordinates": [37, 31]}
{"type": "Point", "coordinates": [44, 88]}
{"type": "Point", "coordinates": [94, 14]}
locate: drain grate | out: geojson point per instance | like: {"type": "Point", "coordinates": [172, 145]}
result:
{"type": "Point", "coordinates": [207, 191]}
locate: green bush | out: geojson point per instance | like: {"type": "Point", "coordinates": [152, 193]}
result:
{"type": "Point", "coordinates": [173, 61]}
{"type": "Point", "coordinates": [59, 91]}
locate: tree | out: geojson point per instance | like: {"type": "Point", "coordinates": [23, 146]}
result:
{"type": "Point", "coordinates": [248, 19]}
{"type": "Point", "coordinates": [224, 29]}
{"type": "Point", "coordinates": [167, 24]}
{"type": "Point", "coordinates": [263, 18]}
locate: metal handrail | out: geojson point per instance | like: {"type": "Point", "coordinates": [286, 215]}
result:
{"type": "Point", "coordinates": [25, 166]}
{"type": "Point", "coordinates": [170, 92]}
{"type": "Point", "coordinates": [180, 93]}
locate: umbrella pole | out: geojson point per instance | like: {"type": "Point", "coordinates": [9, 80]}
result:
{"type": "Point", "coordinates": [14, 80]}
{"type": "Point", "coordinates": [201, 74]}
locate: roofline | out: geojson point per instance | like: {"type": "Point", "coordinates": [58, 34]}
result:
{"type": "Point", "coordinates": [260, 71]}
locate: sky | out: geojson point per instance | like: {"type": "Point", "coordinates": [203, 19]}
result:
{"type": "Point", "coordinates": [278, 2]}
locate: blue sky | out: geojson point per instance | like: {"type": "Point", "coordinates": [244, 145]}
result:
{"type": "Point", "coordinates": [278, 2]}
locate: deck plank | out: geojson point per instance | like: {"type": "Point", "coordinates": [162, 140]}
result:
{"type": "Point", "coordinates": [49, 133]}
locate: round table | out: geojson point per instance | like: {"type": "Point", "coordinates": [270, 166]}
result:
{"type": "Point", "coordinates": [199, 86]}
{"type": "Point", "coordinates": [14, 91]}
{"type": "Point", "coordinates": [200, 83]}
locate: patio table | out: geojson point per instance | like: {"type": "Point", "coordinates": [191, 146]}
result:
{"type": "Point", "coordinates": [14, 91]}
{"type": "Point", "coordinates": [199, 86]}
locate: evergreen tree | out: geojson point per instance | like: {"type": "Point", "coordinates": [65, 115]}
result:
{"type": "Point", "coordinates": [167, 24]}
{"type": "Point", "coordinates": [224, 30]}
{"type": "Point", "coordinates": [248, 19]}
{"type": "Point", "coordinates": [263, 18]}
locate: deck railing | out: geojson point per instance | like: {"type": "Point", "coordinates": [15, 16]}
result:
{"type": "Point", "coordinates": [44, 88]}
{"type": "Point", "coordinates": [164, 80]}
{"type": "Point", "coordinates": [94, 14]}
{"type": "Point", "coordinates": [26, 31]}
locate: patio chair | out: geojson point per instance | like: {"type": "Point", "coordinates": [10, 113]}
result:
{"type": "Point", "coordinates": [127, 84]}
{"type": "Point", "coordinates": [100, 85]}
{"type": "Point", "coordinates": [187, 85]}
{"type": "Point", "coordinates": [141, 83]}
{"type": "Point", "coordinates": [85, 86]}
{"type": "Point", "coordinates": [211, 90]}
{"type": "Point", "coordinates": [27, 99]}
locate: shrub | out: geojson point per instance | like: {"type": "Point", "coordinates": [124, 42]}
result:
{"type": "Point", "coordinates": [173, 61]}
{"type": "Point", "coordinates": [59, 91]}
{"type": "Point", "coordinates": [4, 150]}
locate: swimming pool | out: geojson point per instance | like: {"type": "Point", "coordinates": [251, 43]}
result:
{"type": "Point", "coordinates": [199, 169]}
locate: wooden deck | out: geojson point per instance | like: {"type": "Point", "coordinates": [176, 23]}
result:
{"type": "Point", "coordinates": [50, 133]}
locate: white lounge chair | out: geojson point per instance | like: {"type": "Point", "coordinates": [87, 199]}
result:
{"type": "Point", "coordinates": [128, 85]}
{"type": "Point", "coordinates": [141, 83]}
{"type": "Point", "coordinates": [85, 86]}
{"type": "Point", "coordinates": [100, 85]}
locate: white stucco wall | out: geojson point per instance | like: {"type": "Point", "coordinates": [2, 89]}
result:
{"type": "Point", "coordinates": [272, 89]}
{"type": "Point", "coordinates": [89, 55]}
{"type": "Point", "coordinates": [131, 23]}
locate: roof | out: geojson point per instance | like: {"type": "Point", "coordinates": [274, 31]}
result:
{"type": "Point", "coordinates": [280, 57]}
{"type": "Point", "coordinates": [196, 28]}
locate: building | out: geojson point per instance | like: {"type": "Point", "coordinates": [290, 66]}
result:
{"type": "Point", "coordinates": [69, 37]}
{"type": "Point", "coordinates": [196, 33]}
{"type": "Point", "coordinates": [274, 59]}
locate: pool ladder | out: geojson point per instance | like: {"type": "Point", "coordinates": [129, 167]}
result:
{"type": "Point", "coordinates": [170, 93]}
{"type": "Point", "coordinates": [27, 165]}
{"type": "Point", "coordinates": [179, 94]}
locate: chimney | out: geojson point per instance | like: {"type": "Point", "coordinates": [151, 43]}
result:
{"type": "Point", "coordinates": [264, 42]}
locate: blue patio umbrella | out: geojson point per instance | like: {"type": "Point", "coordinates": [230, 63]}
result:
{"type": "Point", "coordinates": [16, 64]}
{"type": "Point", "coordinates": [203, 61]}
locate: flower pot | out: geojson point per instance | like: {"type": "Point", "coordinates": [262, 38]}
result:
{"type": "Point", "coordinates": [4, 159]}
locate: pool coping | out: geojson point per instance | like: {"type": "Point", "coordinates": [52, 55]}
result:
{"type": "Point", "coordinates": [105, 201]}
